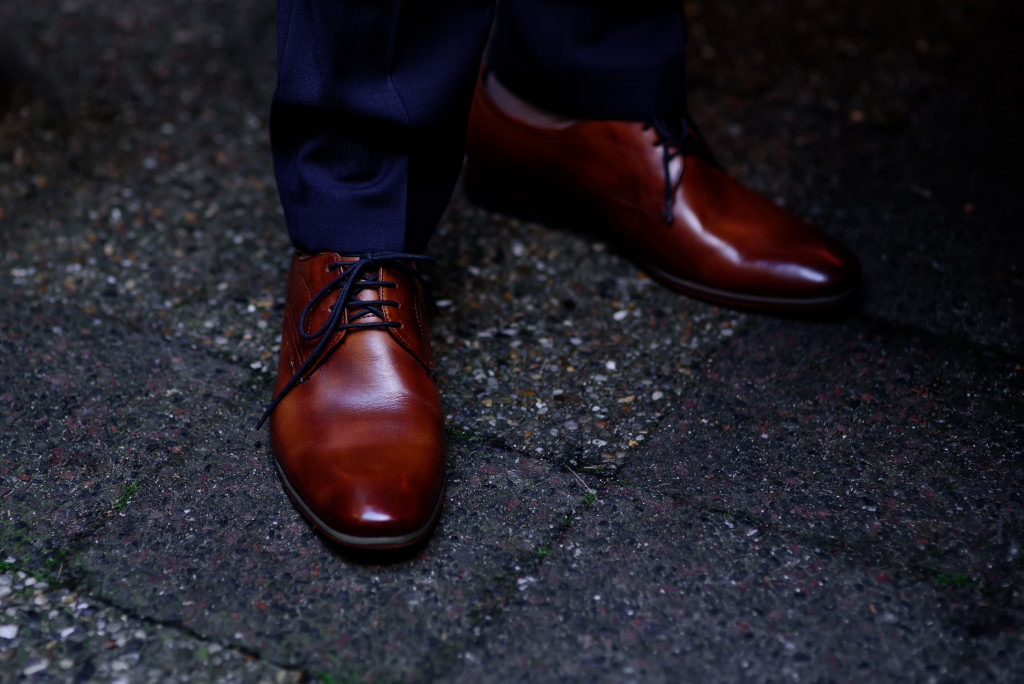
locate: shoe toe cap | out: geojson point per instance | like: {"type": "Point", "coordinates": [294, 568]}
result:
{"type": "Point", "coordinates": [369, 492]}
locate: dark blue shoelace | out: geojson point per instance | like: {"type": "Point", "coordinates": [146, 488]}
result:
{"type": "Point", "coordinates": [354, 277]}
{"type": "Point", "coordinates": [677, 138]}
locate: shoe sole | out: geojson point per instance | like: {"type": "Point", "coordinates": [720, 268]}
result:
{"type": "Point", "coordinates": [745, 301]}
{"type": "Point", "coordinates": [516, 202]}
{"type": "Point", "coordinates": [357, 542]}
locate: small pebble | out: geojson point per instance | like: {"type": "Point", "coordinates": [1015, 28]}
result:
{"type": "Point", "coordinates": [35, 667]}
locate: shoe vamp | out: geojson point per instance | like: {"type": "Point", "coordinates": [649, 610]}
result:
{"type": "Point", "coordinates": [359, 436]}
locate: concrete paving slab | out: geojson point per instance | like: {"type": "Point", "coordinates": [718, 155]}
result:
{"type": "Point", "coordinates": [554, 346]}
{"type": "Point", "coordinates": [834, 501]}
{"type": "Point", "coordinates": [235, 563]}
{"type": "Point", "coordinates": [138, 182]}
{"type": "Point", "coordinates": [49, 633]}
{"type": "Point", "coordinates": [650, 588]}
{"type": "Point", "coordinates": [91, 411]}
{"type": "Point", "coordinates": [891, 442]}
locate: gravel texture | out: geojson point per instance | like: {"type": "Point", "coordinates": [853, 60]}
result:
{"type": "Point", "coordinates": [641, 487]}
{"type": "Point", "coordinates": [52, 633]}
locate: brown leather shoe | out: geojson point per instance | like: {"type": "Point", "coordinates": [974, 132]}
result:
{"type": "Point", "coordinates": [356, 425]}
{"type": "Point", "coordinates": [658, 194]}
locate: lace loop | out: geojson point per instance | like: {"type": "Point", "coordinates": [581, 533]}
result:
{"type": "Point", "coordinates": [677, 138]}
{"type": "Point", "coordinates": [354, 277]}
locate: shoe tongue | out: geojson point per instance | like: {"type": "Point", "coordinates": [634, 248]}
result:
{"type": "Point", "coordinates": [357, 314]}
{"type": "Point", "coordinates": [320, 277]}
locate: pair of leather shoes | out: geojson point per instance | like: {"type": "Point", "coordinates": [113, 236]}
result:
{"type": "Point", "coordinates": [356, 424]}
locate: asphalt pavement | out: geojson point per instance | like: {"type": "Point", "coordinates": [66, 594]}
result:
{"type": "Point", "coordinates": [641, 487]}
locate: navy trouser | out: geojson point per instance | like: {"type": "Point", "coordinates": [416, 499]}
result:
{"type": "Point", "coordinates": [369, 116]}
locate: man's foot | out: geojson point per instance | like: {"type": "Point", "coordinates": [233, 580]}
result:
{"type": "Point", "coordinates": [356, 425]}
{"type": "Point", "coordinates": [655, 191]}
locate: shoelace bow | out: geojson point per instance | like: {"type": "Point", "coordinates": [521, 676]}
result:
{"type": "Point", "coordinates": [677, 138]}
{"type": "Point", "coordinates": [355, 276]}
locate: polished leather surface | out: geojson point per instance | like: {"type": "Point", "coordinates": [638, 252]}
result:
{"type": "Point", "coordinates": [360, 443]}
{"type": "Point", "coordinates": [725, 243]}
